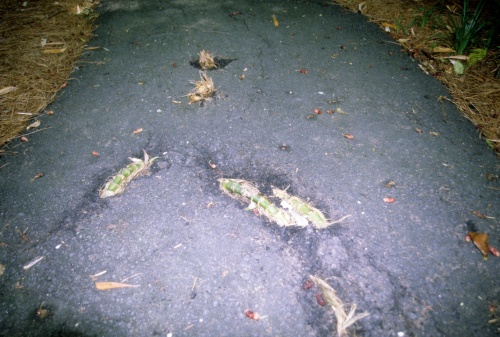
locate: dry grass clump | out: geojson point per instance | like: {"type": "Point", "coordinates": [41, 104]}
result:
{"type": "Point", "coordinates": [344, 319]}
{"type": "Point", "coordinates": [424, 29]}
{"type": "Point", "coordinates": [207, 60]}
{"type": "Point", "coordinates": [204, 89]}
{"type": "Point", "coordinates": [39, 43]}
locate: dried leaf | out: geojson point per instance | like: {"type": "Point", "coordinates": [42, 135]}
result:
{"type": "Point", "coordinates": [251, 314]}
{"type": "Point", "coordinates": [308, 285]}
{"type": "Point", "coordinates": [37, 176]}
{"type": "Point", "coordinates": [344, 319]}
{"type": "Point", "coordinates": [390, 25]}
{"type": "Point", "coordinates": [32, 263]}
{"type": "Point", "coordinates": [435, 134]}
{"type": "Point", "coordinates": [6, 90]}
{"type": "Point", "coordinates": [95, 153]}
{"type": "Point", "coordinates": [136, 131]}
{"type": "Point", "coordinates": [42, 313]}
{"type": "Point", "coordinates": [480, 240]}
{"type": "Point", "coordinates": [439, 49]}
{"type": "Point", "coordinates": [494, 251]}
{"type": "Point", "coordinates": [389, 200]}
{"type": "Point", "coordinates": [33, 125]}
{"type": "Point", "coordinates": [320, 299]}
{"type": "Point", "coordinates": [348, 136]}
{"type": "Point", "coordinates": [275, 21]}
{"type": "Point", "coordinates": [50, 112]}
{"type": "Point", "coordinates": [113, 285]}
{"type": "Point", "coordinates": [302, 71]}
{"type": "Point", "coordinates": [418, 130]}
{"type": "Point", "coordinates": [317, 111]}
{"type": "Point", "coordinates": [24, 139]}
{"type": "Point", "coordinates": [54, 51]}
{"type": "Point", "coordinates": [390, 183]}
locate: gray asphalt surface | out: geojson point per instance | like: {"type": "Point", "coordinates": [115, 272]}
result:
{"type": "Point", "coordinates": [199, 258]}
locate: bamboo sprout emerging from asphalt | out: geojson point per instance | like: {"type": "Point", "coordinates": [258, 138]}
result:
{"type": "Point", "coordinates": [245, 192]}
{"type": "Point", "coordinates": [206, 60]}
{"type": "Point", "coordinates": [297, 205]}
{"type": "Point", "coordinates": [344, 320]}
{"type": "Point", "coordinates": [204, 89]}
{"type": "Point", "coordinates": [117, 183]}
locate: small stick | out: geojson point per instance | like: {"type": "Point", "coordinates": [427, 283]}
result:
{"type": "Point", "coordinates": [32, 263]}
{"type": "Point", "coordinates": [95, 276]}
{"type": "Point", "coordinates": [29, 133]}
{"type": "Point", "coordinates": [341, 219]}
{"type": "Point", "coordinates": [123, 281]}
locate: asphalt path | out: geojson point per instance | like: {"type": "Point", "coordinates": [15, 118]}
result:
{"type": "Point", "coordinates": [198, 257]}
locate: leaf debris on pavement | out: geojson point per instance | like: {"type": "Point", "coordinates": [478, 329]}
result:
{"type": "Point", "coordinates": [33, 262]}
{"type": "Point", "coordinates": [480, 240]}
{"type": "Point", "coordinates": [204, 89]}
{"type": "Point", "coordinates": [37, 176]}
{"type": "Point", "coordinates": [114, 285]}
{"type": "Point", "coordinates": [344, 319]}
{"type": "Point", "coordinates": [275, 20]}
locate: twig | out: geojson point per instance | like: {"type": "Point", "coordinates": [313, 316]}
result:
{"type": "Point", "coordinates": [32, 263]}
{"type": "Point", "coordinates": [29, 133]}
{"type": "Point", "coordinates": [123, 281]}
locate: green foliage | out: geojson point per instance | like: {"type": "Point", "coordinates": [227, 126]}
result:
{"type": "Point", "coordinates": [467, 27]}
{"type": "Point", "coordinates": [430, 16]}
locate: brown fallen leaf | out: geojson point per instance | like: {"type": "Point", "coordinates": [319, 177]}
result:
{"type": "Point", "coordinates": [390, 184]}
{"type": "Point", "coordinates": [480, 240]}
{"type": "Point", "coordinates": [24, 139]}
{"type": "Point", "coordinates": [251, 314]}
{"type": "Point", "coordinates": [494, 251]}
{"type": "Point", "coordinates": [435, 134]}
{"type": "Point", "coordinates": [389, 200]}
{"type": "Point", "coordinates": [302, 71]}
{"type": "Point", "coordinates": [275, 21]}
{"type": "Point", "coordinates": [136, 131]}
{"type": "Point", "coordinates": [440, 49]}
{"type": "Point", "coordinates": [37, 176]}
{"type": "Point", "coordinates": [42, 313]}
{"type": "Point", "coordinates": [348, 136]}
{"type": "Point", "coordinates": [95, 153]}
{"type": "Point", "coordinates": [418, 130]}
{"type": "Point", "coordinates": [113, 285]}
{"type": "Point", "coordinates": [320, 299]}
{"type": "Point", "coordinates": [50, 112]}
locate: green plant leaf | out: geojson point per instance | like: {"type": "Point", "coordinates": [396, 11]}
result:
{"type": "Point", "coordinates": [458, 67]}
{"type": "Point", "coordinates": [475, 56]}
